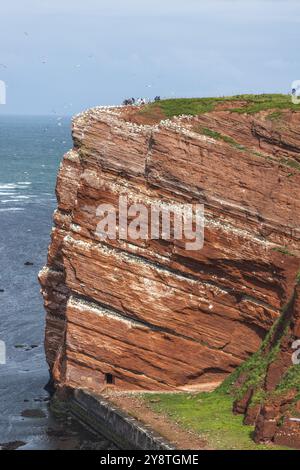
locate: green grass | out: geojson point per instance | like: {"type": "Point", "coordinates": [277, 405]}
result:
{"type": "Point", "coordinates": [194, 106]}
{"type": "Point", "coordinates": [275, 116]}
{"type": "Point", "coordinates": [291, 380]}
{"type": "Point", "coordinates": [290, 163]}
{"type": "Point", "coordinates": [283, 250]}
{"type": "Point", "coordinates": [209, 415]}
{"type": "Point", "coordinates": [257, 103]}
{"type": "Point", "coordinates": [190, 106]}
{"type": "Point", "coordinates": [218, 136]}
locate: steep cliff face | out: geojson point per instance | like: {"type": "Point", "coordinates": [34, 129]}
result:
{"type": "Point", "coordinates": [149, 314]}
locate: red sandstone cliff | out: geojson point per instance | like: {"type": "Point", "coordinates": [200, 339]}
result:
{"type": "Point", "coordinates": [150, 314]}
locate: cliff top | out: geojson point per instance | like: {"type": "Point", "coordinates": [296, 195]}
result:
{"type": "Point", "coordinates": [241, 104]}
{"type": "Point", "coordinates": [264, 125]}
{"type": "Point", "coordinates": [155, 112]}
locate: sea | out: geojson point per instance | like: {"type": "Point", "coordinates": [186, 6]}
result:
{"type": "Point", "coordinates": [31, 149]}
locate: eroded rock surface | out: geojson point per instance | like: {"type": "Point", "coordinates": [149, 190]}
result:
{"type": "Point", "coordinates": [151, 314]}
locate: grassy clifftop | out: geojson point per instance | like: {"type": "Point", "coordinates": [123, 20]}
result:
{"type": "Point", "coordinates": [239, 104]}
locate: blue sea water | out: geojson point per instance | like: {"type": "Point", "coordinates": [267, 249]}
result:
{"type": "Point", "coordinates": [31, 149]}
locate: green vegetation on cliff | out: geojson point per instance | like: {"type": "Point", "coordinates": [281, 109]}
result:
{"type": "Point", "coordinates": [209, 415]}
{"type": "Point", "coordinates": [253, 371]}
{"type": "Point", "coordinates": [290, 380]}
{"type": "Point", "coordinates": [255, 368]}
{"type": "Point", "coordinates": [218, 136]}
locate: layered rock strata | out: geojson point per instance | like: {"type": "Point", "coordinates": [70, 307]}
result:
{"type": "Point", "coordinates": [150, 314]}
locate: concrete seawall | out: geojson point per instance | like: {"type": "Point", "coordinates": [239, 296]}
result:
{"type": "Point", "coordinates": [100, 416]}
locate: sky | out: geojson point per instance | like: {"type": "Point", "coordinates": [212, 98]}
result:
{"type": "Point", "coordinates": [63, 56]}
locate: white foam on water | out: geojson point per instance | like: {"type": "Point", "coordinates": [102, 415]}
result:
{"type": "Point", "coordinates": [19, 185]}
{"type": "Point", "coordinates": [16, 199]}
{"type": "Point", "coordinates": [12, 209]}
{"type": "Point", "coordinates": [16, 194]}
{"type": "Point", "coordinates": [13, 192]}
{"type": "Point", "coordinates": [5, 201]}
{"type": "Point", "coordinates": [29, 196]}
{"type": "Point", "coordinates": [9, 186]}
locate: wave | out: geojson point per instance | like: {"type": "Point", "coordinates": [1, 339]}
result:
{"type": "Point", "coordinates": [14, 192]}
{"type": "Point", "coordinates": [29, 196]}
{"type": "Point", "coordinates": [12, 209]}
{"type": "Point", "coordinates": [21, 193]}
{"type": "Point", "coordinates": [19, 185]}
{"type": "Point", "coordinates": [9, 186]}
